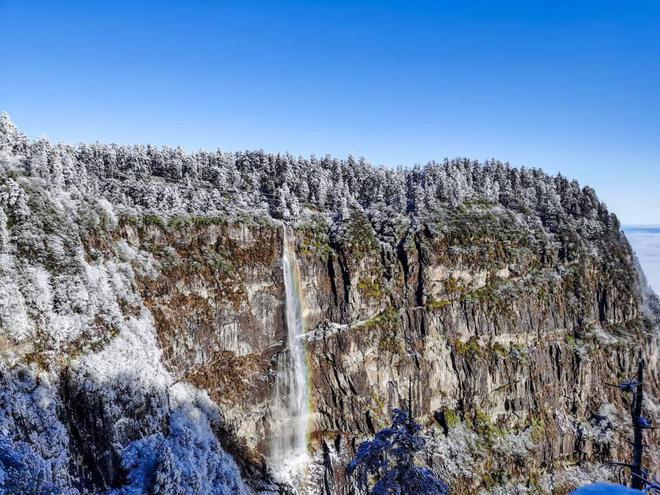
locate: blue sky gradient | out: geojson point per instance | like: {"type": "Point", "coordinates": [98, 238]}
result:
{"type": "Point", "coordinates": [567, 86]}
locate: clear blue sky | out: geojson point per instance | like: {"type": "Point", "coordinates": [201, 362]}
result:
{"type": "Point", "coordinates": [570, 86]}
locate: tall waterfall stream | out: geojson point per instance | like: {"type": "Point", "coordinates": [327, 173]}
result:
{"type": "Point", "coordinates": [291, 408]}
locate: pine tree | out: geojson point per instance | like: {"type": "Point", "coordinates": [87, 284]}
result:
{"type": "Point", "coordinates": [386, 465]}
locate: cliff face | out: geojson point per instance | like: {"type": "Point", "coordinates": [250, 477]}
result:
{"type": "Point", "coordinates": [140, 336]}
{"type": "Point", "coordinates": [480, 323]}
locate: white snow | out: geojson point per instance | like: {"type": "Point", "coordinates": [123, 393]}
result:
{"type": "Point", "coordinates": [605, 489]}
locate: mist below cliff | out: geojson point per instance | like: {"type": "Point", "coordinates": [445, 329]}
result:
{"type": "Point", "coordinates": [646, 243]}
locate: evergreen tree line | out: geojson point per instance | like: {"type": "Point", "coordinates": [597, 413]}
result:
{"type": "Point", "coordinates": [168, 180]}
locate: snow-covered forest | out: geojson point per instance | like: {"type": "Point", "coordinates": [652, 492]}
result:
{"type": "Point", "coordinates": [169, 181]}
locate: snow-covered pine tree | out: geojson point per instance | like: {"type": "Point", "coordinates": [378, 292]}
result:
{"type": "Point", "coordinates": [387, 464]}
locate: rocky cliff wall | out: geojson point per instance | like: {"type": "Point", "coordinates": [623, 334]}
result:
{"type": "Point", "coordinates": [139, 332]}
{"type": "Point", "coordinates": [482, 321]}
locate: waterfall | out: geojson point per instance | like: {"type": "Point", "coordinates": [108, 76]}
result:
{"type": "Point", "coordinates": [291, 409]}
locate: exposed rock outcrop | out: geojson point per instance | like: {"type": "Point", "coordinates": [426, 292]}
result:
{"type": "Point", "coordinates": [142, 313]}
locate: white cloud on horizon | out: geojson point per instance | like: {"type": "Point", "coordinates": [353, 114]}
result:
{"type": "Point", "coordinates": [646, 244]}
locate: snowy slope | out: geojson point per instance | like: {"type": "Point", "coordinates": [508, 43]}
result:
{"type": "Point", "coordinates": [86, 405]}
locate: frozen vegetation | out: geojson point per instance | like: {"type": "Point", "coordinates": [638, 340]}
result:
{"type": "Point", "coordinates": [60, 309]}
{"type": "Point", "coordinates": [168, 182]}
